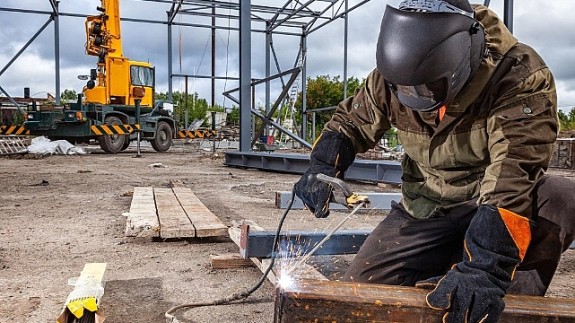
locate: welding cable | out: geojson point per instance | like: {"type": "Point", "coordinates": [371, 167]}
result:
{"type": "Point", "coordinates": [240, 296]}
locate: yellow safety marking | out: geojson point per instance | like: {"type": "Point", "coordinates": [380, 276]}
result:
{"type": "Point", "coordinates": [107, 130]}
{"type": "Point", "coordinates": [116, 129]}
{"type": "Point", "coordinates": [95, 130]}
{"type": "Point", "coordinates": [14, 130]}
{"type": "Point", "coordinates": [193, 134]}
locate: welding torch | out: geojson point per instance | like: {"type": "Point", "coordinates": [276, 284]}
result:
{"type": "Point", "coordinates": [341, 194]}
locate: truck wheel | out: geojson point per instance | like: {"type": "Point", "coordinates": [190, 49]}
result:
{"type": "Point", "coordinates": [112, 143]}
{"type": "Point", "coordinates": [163, 140]}
{"type": "Point", "coordinates": [126, 144]}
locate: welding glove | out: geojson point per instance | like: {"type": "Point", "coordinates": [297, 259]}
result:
{"type": "Point", "coordinates": [331, 155]}
{"type": "Point", "coordinates": [473, 290]}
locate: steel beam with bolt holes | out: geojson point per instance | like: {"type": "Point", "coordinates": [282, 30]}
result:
{"type": "Point", "coordinates": [259, 244]}
{"type": "Point", "coordinates": [379, 171]}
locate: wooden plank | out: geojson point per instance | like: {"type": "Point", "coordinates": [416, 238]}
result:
{"type": "Point", "coordinates": [332, 301]}
{"type": "Point", "coordinates": [142, 221]}
{"type": "Point", "coordinates": [305, 271]}
{"type": "Point", "coordinates": [84, 301]}
{"type": "Point", "coordinates": [229, 260]}
{"type": "Point", "coordinates": [174, 222]}
{"type": "Point", "coordinates": [206, 223]}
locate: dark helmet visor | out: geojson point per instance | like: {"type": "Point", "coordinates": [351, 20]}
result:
{"type": "Point", "coordinates": [423, 97]}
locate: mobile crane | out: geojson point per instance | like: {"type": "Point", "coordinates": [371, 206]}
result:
{"type": "Point", "coordinates": [119, 88]}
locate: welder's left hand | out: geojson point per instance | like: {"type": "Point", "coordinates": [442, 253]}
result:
{"type": "Point", "coordinates": [473, 290]}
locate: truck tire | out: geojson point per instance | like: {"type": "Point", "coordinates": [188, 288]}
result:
{"type": "Point", "coordinates": [163, 140]}
{"type": "Point", "coordinates": [112, 144]}
{"type": "Point", "coordinates": [126, 143]}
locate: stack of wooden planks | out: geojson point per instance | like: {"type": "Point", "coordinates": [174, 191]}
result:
{"type": "Point", "coordinates": [171, 213]}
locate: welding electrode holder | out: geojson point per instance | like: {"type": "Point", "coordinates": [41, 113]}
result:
{"type": "Point", "coordinates": [342, 193]}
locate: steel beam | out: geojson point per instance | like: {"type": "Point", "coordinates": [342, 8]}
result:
{"type": "Point", "coordinates": [259, 244]}
{"type": "Point", "coordinates": [378, 201]}
{"type": "Point", "coordinates": [362, 170]}
{"type": "Point", "coordinates": [336, 301]}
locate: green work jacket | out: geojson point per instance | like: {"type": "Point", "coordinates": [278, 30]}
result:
{"type": "Point", "coordinates": [493, 144]}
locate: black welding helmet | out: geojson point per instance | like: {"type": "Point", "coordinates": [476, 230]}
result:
{"type": "Point", "coordinates": [427, 50]}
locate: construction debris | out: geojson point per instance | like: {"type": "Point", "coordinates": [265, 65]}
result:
{"type": "Point", "coordinates": [12, 145]}
{"type": "Point", "coordinates": [44, 146]}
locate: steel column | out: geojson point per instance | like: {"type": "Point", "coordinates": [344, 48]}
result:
{"type": "Point", "coordinates": [245, 75]}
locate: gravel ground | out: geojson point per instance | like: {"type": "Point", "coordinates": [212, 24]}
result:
{"type": "Point", "coordinates": [59, 212]}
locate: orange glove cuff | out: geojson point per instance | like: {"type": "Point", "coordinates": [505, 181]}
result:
{"type": "Point", "coordinates": [519, 229]}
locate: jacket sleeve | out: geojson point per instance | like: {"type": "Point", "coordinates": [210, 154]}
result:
{"type": "Point", "coordinates": [522, 129]}
{"type": "Point", "coordinates": [364, 117]}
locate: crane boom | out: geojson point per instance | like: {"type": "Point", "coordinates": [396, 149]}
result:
{"type": "Point", "coordinates": [116, 76]}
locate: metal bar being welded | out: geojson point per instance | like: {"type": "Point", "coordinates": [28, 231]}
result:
{"type": "Point", "coordinates": [259, 244]}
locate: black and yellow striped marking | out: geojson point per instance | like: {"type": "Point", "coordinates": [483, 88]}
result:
{"type": "Point", "coordinates": [115, 129]}
{"type": "Point", "coordinates": [14, 130]}
{"type": "Point", "coordinates": [196, 134]}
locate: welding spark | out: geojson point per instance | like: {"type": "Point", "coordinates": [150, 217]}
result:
{"type": "Point", "coordinates": [286, 281]}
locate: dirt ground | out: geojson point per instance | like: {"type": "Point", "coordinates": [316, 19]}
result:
{"type": "Point", "coordinates": [58, 213]}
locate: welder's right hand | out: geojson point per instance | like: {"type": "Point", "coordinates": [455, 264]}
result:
{"type": "Point", "coordinates": [315, 194]}
{"type": "Point", "coordinates": [331, 155]}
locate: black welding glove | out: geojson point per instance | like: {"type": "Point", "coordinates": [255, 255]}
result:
{"type": "Point", "coordinates": [331, 155]}
{"type": "Point", "coordinates": [473, 290]}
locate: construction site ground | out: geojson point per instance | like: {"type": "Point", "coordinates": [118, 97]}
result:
{"type": "Point", "coordinates": [58, 213]}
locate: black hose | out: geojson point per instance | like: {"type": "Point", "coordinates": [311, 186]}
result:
{"type": "Point", "coordinates": [237, 297]}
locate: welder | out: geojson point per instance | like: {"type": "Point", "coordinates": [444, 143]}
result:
{"type": "Point", "coordinates": [476, 113]}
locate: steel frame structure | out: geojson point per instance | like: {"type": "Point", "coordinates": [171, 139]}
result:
{"type": "Point", "coordinates": [287, 17]}
{"type": "Point", "coordinates": [297, 18]}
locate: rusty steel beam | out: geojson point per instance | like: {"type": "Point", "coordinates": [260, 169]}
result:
{"type": "Point", "coordinates": [335, 301]}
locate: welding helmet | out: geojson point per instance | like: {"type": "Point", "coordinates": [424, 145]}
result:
{"type": "Point", "coordinates": [427, 50]}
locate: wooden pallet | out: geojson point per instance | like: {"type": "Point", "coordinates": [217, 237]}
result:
{"type": "Point", "coordinates": [171, 213]}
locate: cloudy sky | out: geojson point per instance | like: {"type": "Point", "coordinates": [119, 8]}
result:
{"type": "Point", "coordinates": [545, 25]}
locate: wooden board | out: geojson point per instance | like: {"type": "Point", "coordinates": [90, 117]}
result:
{"type": "Point", "coordinates": [84, 301]}
{"type": "Point", "coordinates": [331, 301]}
{"type": "Point", "coordinates": [204, 221]}
{"type": "Point", "coordinates": [171, 213]}
{"type": "Point", "coordinates": [228, 261]}
{"type": "Point", "coordinates": [174, 222]}
{"type": "Point", "coordinates": [142, 221]}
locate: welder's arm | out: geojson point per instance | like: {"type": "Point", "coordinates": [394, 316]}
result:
{"type": "Point", "coordinates": [521, 130]}
{"type": "Point", "coordinates": [364, 118]}
{"type": "Point", "coordinates": [331, 155]}
{"type": "Point", "coordinates": [358, 124]}
{"type": "Point", "coordinates": [473, 290]}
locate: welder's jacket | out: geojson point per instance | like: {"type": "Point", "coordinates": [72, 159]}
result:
{"type": "Point", "coordinates": [493, 144]}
